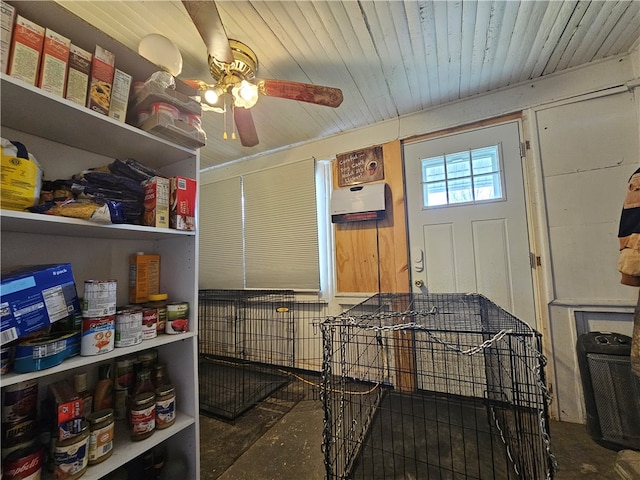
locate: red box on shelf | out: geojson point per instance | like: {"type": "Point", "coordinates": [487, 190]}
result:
{"type": "Point", "coordinates": [183, 203]}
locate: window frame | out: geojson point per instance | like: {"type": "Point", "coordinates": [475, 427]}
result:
{"type": "Point", "coordinates": [446, 180]}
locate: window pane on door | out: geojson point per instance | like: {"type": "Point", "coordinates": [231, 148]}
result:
{"type": "Point", "coordinates": [463, 177]}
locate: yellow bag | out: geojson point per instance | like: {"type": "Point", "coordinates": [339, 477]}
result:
{"type": "Point", "coordinates": [21, 177]}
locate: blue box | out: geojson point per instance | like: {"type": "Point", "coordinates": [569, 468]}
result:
{"type": "Point", "coordinates": [34, 297]}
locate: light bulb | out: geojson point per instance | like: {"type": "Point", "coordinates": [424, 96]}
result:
{"type": "Point", "coordinates": [245, 94]}
{"type": "Point", "coordinates": [162, 52]}
{"type": "Point", "coordinates": [211, 96]}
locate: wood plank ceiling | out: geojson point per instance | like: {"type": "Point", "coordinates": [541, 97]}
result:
{"type": "Point", "coordinates": [390, 58]}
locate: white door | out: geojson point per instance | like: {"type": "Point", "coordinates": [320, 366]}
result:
{"type": "Point", "coordinates": [467, 217]}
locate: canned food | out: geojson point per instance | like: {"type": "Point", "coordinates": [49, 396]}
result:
{"type": "Point", "coordinates": [128, 327]}
{"type": "Point", "coordinates": [19, 412]}
{"type": "Point", "coordinates": [159, 302]}
{"type": "Point", "coordinates": [99, 298]}
{"type": "Point", "coordinates": [177, 317]}
{"type": "Point", "coordinates": [149, 323]}
{"type": "Point", "coordinates": [101, 425]}
{"type": "Point", "coordinates": [143, 416]}
{"type": "Point", "coordinates": [71, 456]}
{"type": "Point", "coordinates": [97, 335]}
{"type": "Point", "coordinates": [23, 464]}
{"type": "Point", "coordinates": [19, 401]}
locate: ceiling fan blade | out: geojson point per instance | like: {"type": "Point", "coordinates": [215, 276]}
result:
{"type": "Point", "coordinates": [246, 127]}
{"type": "Point", "coordinates": [195, 84]}
{"type": "Point", "coordinates": [207, 20]}
{"type": "Point", "coordinates": [303, 92]}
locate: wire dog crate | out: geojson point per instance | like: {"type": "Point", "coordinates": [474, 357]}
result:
{"type": "Point", "coordinates": [251, 344]}
{"type": "Point", "coordinates": [440, 386]}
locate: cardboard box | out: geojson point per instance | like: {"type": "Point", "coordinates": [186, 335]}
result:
{"type": "Point", "coordinates": [55, 63]}
{"type": "Point", "coordinates": [26, 48]}
{"type": "Point", "coordinates": [102, 70]}
{"type": "Point", "coordinates": [78, 77]}
{"type": "Point", "coordinates": [144, 276]}
{"type": "Point", "coordinates": [183, 203]}
{"type": "Point", "coordinates": [120, 95]}
{"type": "Point", "coordinates": [67, 409]}
{"type": "Point", "coordinates": [34, 297]}
{"type": "Point", "coordinates": [156, 202]}
{"type": "Point", "coordinates": [8, 18]}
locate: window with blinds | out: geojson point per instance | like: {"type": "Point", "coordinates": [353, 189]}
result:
{"type": "Point", "coordinates": [260, 230]}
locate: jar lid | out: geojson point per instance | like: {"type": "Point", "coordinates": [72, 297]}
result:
{"type": "Point", "coordinates": [101, 416]}
{"type": "Point", "coordinates": [155, 297]}
{"type": "Point", "coordinates": [143, 398]}
{"type": "Point", "coordinates": [164, 389]}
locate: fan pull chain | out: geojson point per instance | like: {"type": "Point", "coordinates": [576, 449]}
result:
{"type": "Point", "coordinates": [233, 123]}
{"type": "Point", "coordinates": [224, 117]}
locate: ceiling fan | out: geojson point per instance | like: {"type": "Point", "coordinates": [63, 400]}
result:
{"type": "Point", "coordinates": [233, 67]}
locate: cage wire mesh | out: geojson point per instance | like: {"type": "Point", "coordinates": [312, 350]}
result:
{"type": "Point", "coordinates": [439, 386]}
{"type": "Point", "coordinates": [251, 344]}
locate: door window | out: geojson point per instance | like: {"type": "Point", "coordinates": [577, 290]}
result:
{"type": "Point", "coordinates": [462, 177]}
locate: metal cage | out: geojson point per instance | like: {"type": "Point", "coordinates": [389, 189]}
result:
{"type": "Point", "coordinates": [251, 344]}
{"type": "Point", "coordinates": [436, 386]}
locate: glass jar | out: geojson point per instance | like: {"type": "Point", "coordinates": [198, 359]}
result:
{"type": "Point", "coordinates": [71, 456]}
{"type": "Point", "coordinates": [165, 406]}
{"type": "Point", "coordinates": [143, 416]}
{"type": "Point", "coordinates": [160, 375]}
{"type": "Point", "coordinates": [101, 426]}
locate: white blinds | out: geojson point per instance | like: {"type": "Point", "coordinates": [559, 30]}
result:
{"type": "Point", "coordinates": [281, 227]}
{"type": "Point", "coordinates": [221, 244]}
{"type": "Point", "coordinates": [280, 236]}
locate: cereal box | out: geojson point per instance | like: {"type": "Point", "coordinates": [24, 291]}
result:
{"type": "Point", "coordinates": [26, 48]}
{"type": "Point", "coordinates": [144, 276]}
{"type": "Point", "coordinates": [54, 64]}
{"type": "Point", "coordinates": [183, 203]}
{"type": "Point", "coordinates": [78, 77]}
{"type": "Point", "coordinates": [102, 69]}
{"type": "Point", "coordinates": [8, 18]}
{"type": "Point", "coordinates": [156, 202]}
{"type": "Point", "coordinates": [120, 95]}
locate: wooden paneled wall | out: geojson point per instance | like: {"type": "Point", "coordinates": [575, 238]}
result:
{"type": "Point", "coordinates": [372, 256]}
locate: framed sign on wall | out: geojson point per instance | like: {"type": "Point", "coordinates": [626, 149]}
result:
{"type": "Point", "coordinates": [360, 166]}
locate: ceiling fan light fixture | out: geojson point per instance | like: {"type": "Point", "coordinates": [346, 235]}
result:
{"type": "Point", "coordinates": [162, 52]}
{"type": "Point", "coordinates": [245, 94]}
{"type": "Point", "coordinates": [212, 95]}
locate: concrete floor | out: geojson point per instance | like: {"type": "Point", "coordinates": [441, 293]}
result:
{"type": "Point", "coordinates": [280, 438]}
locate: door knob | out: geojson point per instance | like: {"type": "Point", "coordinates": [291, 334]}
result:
{"type": "Point", "coordinates": [419, 283]}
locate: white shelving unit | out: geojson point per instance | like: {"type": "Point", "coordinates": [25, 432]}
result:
{"type": "Point", "coordinates": [66, 138]}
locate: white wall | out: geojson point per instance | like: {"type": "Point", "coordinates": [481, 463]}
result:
{"type": "Point", "coordinates": [578, 168]}
{"type": "Point", "coordinates": [588, 148]}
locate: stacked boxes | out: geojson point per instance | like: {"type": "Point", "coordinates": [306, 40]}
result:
{"type": "Point", "coordinates": [156, 202]}
{"type": "Point", "coordinates": [120, 95]}
{"type": "Point", "coordinates": [34, 297]}
{"type": "Point", "coordinates": [183, 203]}
{"type": "Point", "coordinates": [144, 276]}
{"type": "Point", "coordinates": [7, 17]}
{"type": "Point", "coordinates": [102, 70]}
{"type": "Point", "coordinates": [26, 48]}
{"type": "Point", "coordinates": [78, 78]}
{"type": "Point", "coordinates": [54, 64]}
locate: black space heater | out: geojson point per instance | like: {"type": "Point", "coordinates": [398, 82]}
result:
{"type": "Point", "coordinates": [611, 391]}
